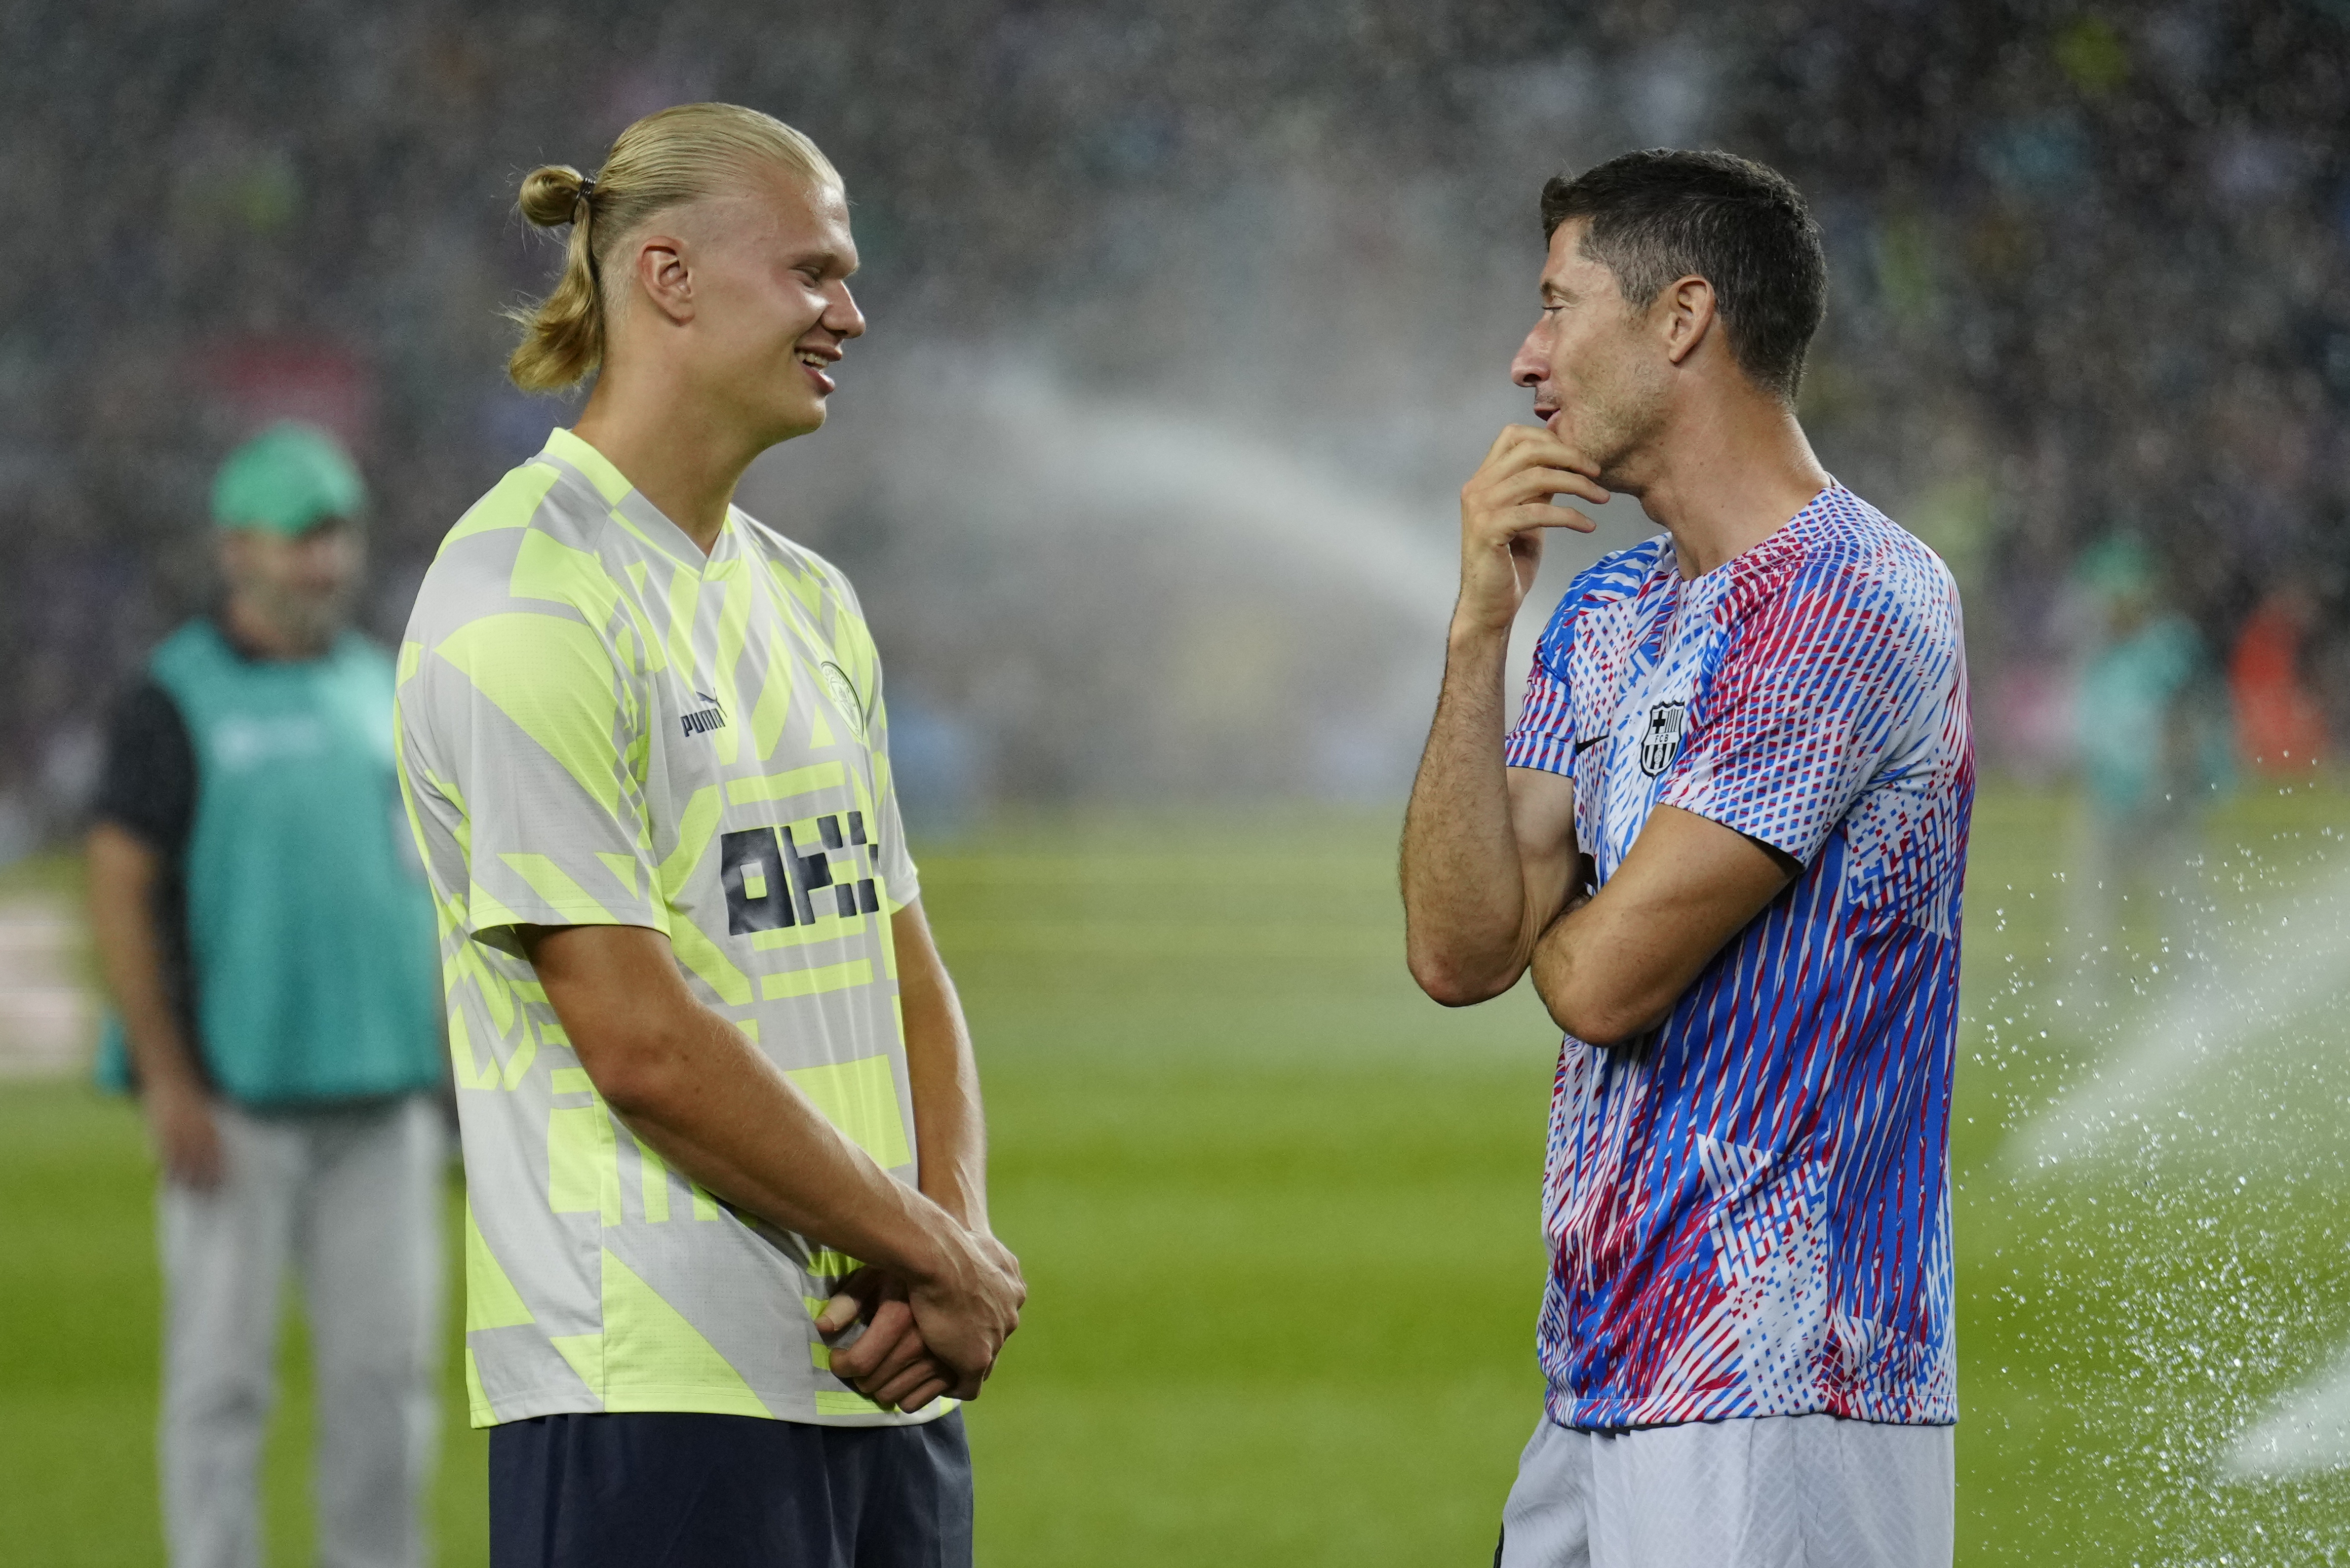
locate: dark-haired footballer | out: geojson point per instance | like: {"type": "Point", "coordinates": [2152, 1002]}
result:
{"type": "Point", "coordinates": [1726, 835]}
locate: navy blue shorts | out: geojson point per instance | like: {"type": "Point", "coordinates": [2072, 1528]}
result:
{"type": "Point", "coordinates": [658, 1490]}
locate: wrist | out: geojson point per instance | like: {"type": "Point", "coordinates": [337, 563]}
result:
{"type": "Point", "coordinates": [964, 1204]}
{"type": "Point", "coordinates": [1475, 631]}
{"type": "Point", "coordinates": [172, 1087]}
{"type": "Point", "coordinates": [936, 1247]}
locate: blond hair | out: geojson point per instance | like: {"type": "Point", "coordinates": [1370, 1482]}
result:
{"type": "Point", "coordinates": [663, 160]}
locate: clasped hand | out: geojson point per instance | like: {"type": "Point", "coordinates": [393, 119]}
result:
{"type": "Point", "coordinates": [922, 1341]}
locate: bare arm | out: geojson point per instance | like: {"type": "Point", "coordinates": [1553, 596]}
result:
{"type": "Point", "coordinates": [949, 1129]}
{"type": "Point", "coordinates": [688, 1083]}
{"type": "Point", "coordinates": [1489, 852]}
{"type": "Point", "coordinates": [1613, 966]}
{"type": "Point", "coordinates": [123, 873]}
{"type": "Point", "coordinates": [891, 1363]}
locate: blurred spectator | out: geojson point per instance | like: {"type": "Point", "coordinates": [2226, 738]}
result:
{"type": "Point", "coordinates": [2279, 726]}
{"type": "Point", "coordinates": [268, 940]}
{"type": "Point", "coordinates": [2089, 262]}
{"type": "Point", "coordinates": [2151, 730]}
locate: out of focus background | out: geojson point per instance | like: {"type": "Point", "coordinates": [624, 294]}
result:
{"type": "Point", "coordinates": [1186, 323]}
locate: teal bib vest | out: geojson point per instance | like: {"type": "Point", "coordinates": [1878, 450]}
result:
{"type": "Point", "coordinates": [310, 933]}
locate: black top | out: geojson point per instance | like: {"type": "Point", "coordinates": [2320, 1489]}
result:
{"type": "Point", "coordinates": [147, 786]}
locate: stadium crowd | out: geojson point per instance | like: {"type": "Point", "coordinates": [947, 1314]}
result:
{"type": "Point", "coordinates": [2088, 283]}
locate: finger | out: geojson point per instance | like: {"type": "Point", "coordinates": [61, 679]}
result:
{"type": "Point", "coordinates": [892, 1321]}
{"type": "Point", "coordinates": [196, 1164]}
{"type": "Point", "coordinates": [1511, 435]}
{"type": "Point", "coordinates": [1521, 444]}
{"type": "Point", "coordinates": [900, 1389]}
{"type": "Point", "coordinates": [854, 1299]}
{"type": "Point", "coordinates": [1545, 479]}
{"type": "Point", "coordinates": [1525, 519]}
{"type": "Point", "coordinates": [913, 1403]}
{"type": "Point", "coordinates": [909, 1351]}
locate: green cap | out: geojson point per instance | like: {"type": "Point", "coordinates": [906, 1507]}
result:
{"type": "Point", "coordinates": [288, 478]}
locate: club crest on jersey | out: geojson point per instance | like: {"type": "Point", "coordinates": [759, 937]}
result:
{"type": "Point", "coordinates": [1661, 741]}
{"type": "Point", "coordinates": [844, 694]}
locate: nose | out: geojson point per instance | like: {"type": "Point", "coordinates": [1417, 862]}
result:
{"type": "Point", "coordinates": [841, 317]}
{"type": "Point", "coordinates": [1531, 368]}
{"type": "Point", "coordinates": [324, 560]}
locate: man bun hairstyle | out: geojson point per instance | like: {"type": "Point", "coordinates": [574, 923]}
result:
{"type": "Point", "coordinates": [663, 160]}
{"type": "Point", "coordinates": [1662, 216]}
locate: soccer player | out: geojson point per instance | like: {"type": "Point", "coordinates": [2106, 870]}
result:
{"type": "Point", "coordinates": [718, 1109]}
{"type": "Point", "coordinates": [1726, 835]}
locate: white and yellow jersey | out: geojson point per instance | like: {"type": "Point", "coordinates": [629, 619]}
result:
{"type": "Point", "coordinates": [600, 725]}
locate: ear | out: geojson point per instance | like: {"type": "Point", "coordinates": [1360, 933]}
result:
{"type": "Point", "coordinates": [664, 276]}
{"type": "Point", "coordinates": [1688, 316]}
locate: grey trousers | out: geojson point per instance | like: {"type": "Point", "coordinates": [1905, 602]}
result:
{"type": "Point", "coordinates": [348, 1198]}
{"type": "Point", "coordinates": [1769, 1491]}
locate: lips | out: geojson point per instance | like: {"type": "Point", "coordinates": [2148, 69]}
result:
{"type": "Point", "coordinates": [814, 361]}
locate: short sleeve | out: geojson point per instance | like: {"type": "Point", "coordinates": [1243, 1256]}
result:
{"type": "Point", "coordinates": [1543, 736]}
{"type": "Point", "coordinates": [525, 735]}
{"type": "Point", "coordinates": [1805, 707]}
{"type": "Point", "coordinates": [147, 776]}
{"type": "Point", "coordinates": [900, 880]}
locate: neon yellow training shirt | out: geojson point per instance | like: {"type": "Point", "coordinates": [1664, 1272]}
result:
{"type": "Point", "coordinates": [600, 725]}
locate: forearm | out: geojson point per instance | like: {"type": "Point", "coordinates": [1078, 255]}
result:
{"type": "Point", "coordinates": [1612, 966]}
{"type": "Point", "coordinates": [122, 877]}
{"type": "Point", "coordinates": [689, 1083]}
{"type": "Point", "coordinates": [950, 1126]}
{"type": "Point", "coordinates": [1596, 1002]}
{"type": "Point", "coordinates": [1463, 886]}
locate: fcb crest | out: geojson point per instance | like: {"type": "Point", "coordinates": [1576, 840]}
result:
{"type": "Point", "coordinates": [1661, 740]}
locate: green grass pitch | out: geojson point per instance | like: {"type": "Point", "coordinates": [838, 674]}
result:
{"type": "Point", "coordinates": [1278, 1215]}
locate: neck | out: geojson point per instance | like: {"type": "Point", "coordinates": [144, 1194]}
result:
{"type": "Point", "coordinates": [680, 452]}
{"type": "Point", "coordinates": [1738, 467]}
{"type": "Point", "coordinates": [252, 627]}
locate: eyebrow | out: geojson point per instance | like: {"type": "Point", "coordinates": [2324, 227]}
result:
{"type": "Point", "coordinates": [832, 259]}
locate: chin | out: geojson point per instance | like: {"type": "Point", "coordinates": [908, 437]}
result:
{"type": "Point", "coordinates": [804, 420]}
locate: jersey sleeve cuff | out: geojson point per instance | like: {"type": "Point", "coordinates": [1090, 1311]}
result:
{"type": "Point", "coordinates": [1532, 749]}
{"type": "Point", "coordinates": [1777, 833]}
{"type": "Point", "coordinates": [491, 922]}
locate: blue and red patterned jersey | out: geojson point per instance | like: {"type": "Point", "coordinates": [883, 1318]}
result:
{"type": "Point", "coordinates": [1749, 1211]}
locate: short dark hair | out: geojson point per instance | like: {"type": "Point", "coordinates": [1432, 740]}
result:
{"type": "Point", "coordinates": [1664, 214]}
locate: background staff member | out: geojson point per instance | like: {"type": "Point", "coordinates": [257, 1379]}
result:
{"type": "Point", "coordinates": [268, 943]}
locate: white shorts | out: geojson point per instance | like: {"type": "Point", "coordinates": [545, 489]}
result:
{"type": "Point", "coordinates": [1771, 1491]}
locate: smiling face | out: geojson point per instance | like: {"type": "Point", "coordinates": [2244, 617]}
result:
{"type": "Point", "coordinates": [772, 306]}
{"type": "Point", "coordinates": [1597, 369]}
